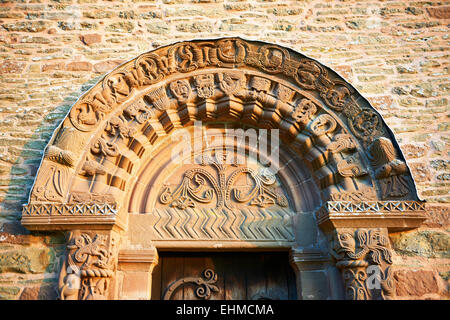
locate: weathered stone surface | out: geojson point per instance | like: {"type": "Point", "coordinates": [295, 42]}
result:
{"type": "Point", "coordinates": [26, 26]}
{"type": "Point", "coordinates": [12, 67]}
{"type": "Point", "coordinates": [439, 12]}
{"type": "Point", "coordinates": [415, 283]}
{"type": "Point", "coordinates": [44, 292]}
{"type": "Point", "coordinates": [89, 39]}
{"type": "Point", "coordinates": [8, 293]}
{"type": "Point", "coordinates": [79, 66]}
{"type": "Point", "coordinates": [158, 27]}
{"type": "Point", "coordinates": [120, 27]}
{"type": "Point", "coordinates": [413, 151]}
{"type": "Point", "coordinates": [425, 243]}
{"type": "Point", "coordinates": [106, 66]}
{"type": "Point", "coordinates": [26, 260]}
{"type": "Point", "coordinates": [439, 216]}
{"type": "Point", "coordinates": [420, 171]}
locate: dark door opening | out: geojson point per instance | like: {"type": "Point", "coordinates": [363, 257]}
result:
{"type": "Point", "coordinates": [224, 276]}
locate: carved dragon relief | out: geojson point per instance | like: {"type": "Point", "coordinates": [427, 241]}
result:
{"type": "Point", "coordinates": [357, 250]}
{"type": "Point", "coordinates": [194, 187]}
{"type": "Point", "coordinates": [89, 265]}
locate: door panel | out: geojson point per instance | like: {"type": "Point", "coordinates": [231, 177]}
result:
{"type": "Point", "coordinates": [232, 276]}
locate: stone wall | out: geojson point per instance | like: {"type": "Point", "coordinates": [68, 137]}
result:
{"type": "Point", "coordinates": [394, 52]}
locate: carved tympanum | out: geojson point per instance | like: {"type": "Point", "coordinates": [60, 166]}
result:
{"type": "Point", "coordinates": [200, 186]}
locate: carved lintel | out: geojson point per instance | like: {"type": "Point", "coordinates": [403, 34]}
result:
{"type": "Point", "coordinates": [364, 258]}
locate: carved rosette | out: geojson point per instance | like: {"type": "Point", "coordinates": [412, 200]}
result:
{"type": "Point", "coordinates": [90, 264]}
{"type": "Point", "coordinates": [364, 259]}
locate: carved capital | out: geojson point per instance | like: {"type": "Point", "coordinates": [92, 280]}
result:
{"type": "Point", "coordinates": [90, 263]}
{"type": "Point", "coordinates": [364, 258]}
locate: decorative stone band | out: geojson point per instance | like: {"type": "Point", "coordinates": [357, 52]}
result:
{"type": "Point", "coordinates": [66, 216]}
{"type": "Point", "coordinates": [394, 215]}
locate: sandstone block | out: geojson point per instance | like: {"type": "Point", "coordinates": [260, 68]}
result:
{"type": "Point", "coordinates": [415, 283]}
{"type": "Point", "coordinates": [45, 292]}
{"type": "Point", "coordinates": [439, 12]}
{"type": "Point", "coordinates": [12, 67]}
{"type": "Point", "coordinates": [79, 66]}
{"type": "Point", "coordinates": [89, 39]}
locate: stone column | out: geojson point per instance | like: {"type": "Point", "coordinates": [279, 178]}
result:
{"type": "Point", "coordinates": [137, 267]}
{"type": "Point", "coordinates": [310, 273]}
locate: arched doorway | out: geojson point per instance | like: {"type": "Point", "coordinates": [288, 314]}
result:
{"type": "Point", "coordinates": [325, 188]}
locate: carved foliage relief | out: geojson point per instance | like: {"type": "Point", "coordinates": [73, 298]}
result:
{"type": "Point", "coordinates": [223, 186]}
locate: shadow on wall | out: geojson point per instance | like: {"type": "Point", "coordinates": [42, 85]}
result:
{"type": "Point", "coordinates": [25, 254]}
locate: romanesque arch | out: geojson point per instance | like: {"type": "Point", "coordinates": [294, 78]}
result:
{"type": "Point", "coordinates": [107, 177]}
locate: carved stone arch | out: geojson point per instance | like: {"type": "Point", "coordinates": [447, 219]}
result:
{"type": "Point", "coordinates": [342, 170]}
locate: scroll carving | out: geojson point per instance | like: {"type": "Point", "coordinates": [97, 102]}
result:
{"type": "Point", "coordinates": [366, 125]}
{"type": "Point", "coordinates": [139, 111]}
{"type": "Point", "coordinates": [84, 116]}
{"type": "Point", "coordinates": [389, 169]}
{"type": "Point", "coordinates": [205, 285]}
{"type": "Point", "coordinates": [199, 185]}
{"type": "Point", "coordinates": [105, 148]}
{"type": "Point", "coordinates": [364, 258]}
{"type": "Point", "coordinates": [336, 97]}
{"type": "Point", "coordinates": [88, 267]}
{"type": "Point", "coordinates": [117, 126]}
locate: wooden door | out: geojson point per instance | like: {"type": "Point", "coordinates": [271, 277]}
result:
{"type": "Point", "coordinates": [224, 276]}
